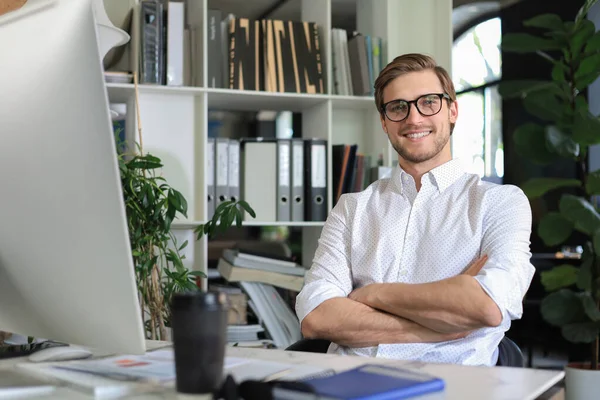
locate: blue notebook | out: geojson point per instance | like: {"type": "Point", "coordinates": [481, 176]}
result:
{"type": "Point", "coordinates": [368, 382]}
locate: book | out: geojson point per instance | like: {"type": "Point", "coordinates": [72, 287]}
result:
{"type": "Point", "coordinates": [272, 264]}
{"type": "Point", "coordinates": [245, 54]}
{"type": "Point", "coordinates": [233, 273]}
{"type": "Point", "coordinates": [367, 382]}
{"type": "Point", "coordinates": [292, 57]}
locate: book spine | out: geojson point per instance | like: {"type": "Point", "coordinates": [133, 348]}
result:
{"type": "Point", "coordinates": [246, 55]}
{"type": "Point", "coordinates": [213, 42]}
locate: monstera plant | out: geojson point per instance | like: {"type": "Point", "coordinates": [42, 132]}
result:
{"type": "Point", "coordinates": [566, 128]}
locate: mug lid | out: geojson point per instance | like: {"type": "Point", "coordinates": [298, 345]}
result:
{"type": "Point", "coordinates": [198, 299]}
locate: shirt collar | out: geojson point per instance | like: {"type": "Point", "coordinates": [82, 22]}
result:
{"type": "Point", "coordinates": [443, 176]}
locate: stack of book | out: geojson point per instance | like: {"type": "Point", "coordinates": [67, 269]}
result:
{"type": "Point", "coordinates": [238, 266]}
{"type": "Point", "coordinates": [258, 275]}
{"type": "Point", "coordinates": [238, 329]}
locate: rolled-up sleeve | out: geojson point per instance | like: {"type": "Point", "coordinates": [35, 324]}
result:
{"type": "Point", "coordinates": [507, 274]}
{"type": "Point", "coordinates": [330, 274]}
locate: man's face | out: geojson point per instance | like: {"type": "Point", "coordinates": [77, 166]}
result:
{"type": "Point", "coordinates": [418, 138]}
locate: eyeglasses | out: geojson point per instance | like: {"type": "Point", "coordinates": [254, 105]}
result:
{"type": "Point", "coordinates": [427, 105]}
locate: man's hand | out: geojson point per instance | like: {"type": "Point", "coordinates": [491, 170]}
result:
{"type": "Point", "coordinates": [353, 324]}
{"type": "Point", "coordinates": [363, 294]}
{"type": "Point", "coordinates": [452, 305]}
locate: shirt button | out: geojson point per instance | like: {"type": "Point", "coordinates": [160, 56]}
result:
{"type": "Point", "coordinates": [403, 272]}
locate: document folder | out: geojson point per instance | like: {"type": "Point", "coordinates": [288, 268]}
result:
{"type": "Point", "coordinates": [315, 179]}
{"type": "Point", "coordinates": [259, 183]}
{"type": "Point", "coordinates": [297, 180]}
{"type": "Point", "coordinates": [283, 180]}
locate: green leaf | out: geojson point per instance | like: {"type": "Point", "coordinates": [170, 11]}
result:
{"type": "Point", "coordinates": [593, 45]}
{"type": "Point", "coordinates": [221, 208]}
{"type": "Point", "coordinates": [592, 185]}
{"type": "Point", "coordinates": [544, 104]}
{"type": "Point", "coordinates": [546, 21]}
{"type": "Point", "coordinates": [247, 208]}
{"type": "Point", "coordinates": [562, 307]}
{"type": "Point", "coordinates": [559, 277]}
{"type": "Point", "coordinates": [537, 187]}
{"type": "Point", "coordinates": [239, 218]}
{"type": "Point", "coordinates": [559, 72]}
{"type": "Point", "coordinates": [580, 212]}
{"type": "Point", "coordinates": [581, 332]}
{"type": "Point", "coordinates": [561, 143]}
{"type": "Point", "coordinates": [584, 277]}
{"type": "Point", "coordinates": [554, 229]}
{"type": "Point", "coordinates": [183, 246]}
{"type": "Point", "coordinates": [230, 218]}
{"type": "Point", "coordinates": [530, 142]}
{"type": "Point", "coordinates": [140, 163]}
{"type": "Point", "coordinates": [590, 307]}
{"type": "Point", "coordinates": [586, 130]}
{"type": "Point", "coordinates": [197, 273]}
{"type": "Point", "coordinates": [181, 203]}
{"type": "Point", "coordinates": [521, 88]}
{"type": "Point", "coordinates": [585, 30]}
{"type": "Point", "coordinates": [526, 43]}
{"type": "Point", "coordinates": [588, 71]}
{"type": "Point", "coordinates": [584, 81]}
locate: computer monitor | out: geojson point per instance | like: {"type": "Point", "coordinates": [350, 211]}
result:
{"type": "Point", "coordinates": [66, 271]}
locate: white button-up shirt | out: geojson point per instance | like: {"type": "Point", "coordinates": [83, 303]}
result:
{"type": "Point", "coordinates": [392, 233]}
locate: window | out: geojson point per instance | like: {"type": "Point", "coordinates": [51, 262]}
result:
{"type": "Point", "coordinates": [476, 70]}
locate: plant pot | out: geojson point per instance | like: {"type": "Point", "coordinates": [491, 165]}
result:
{"type": "Point", "coordinates": [581, 383]}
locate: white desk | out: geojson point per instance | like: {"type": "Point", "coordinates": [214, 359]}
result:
{"type": "Point", "coordinates": [462, 383]}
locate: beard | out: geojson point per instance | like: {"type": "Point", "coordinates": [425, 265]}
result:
{"type": "Point", "coordinates": [439, 142]}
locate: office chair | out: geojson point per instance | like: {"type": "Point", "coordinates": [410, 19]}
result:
{"type": "Point", "coordinates": [509, 354]}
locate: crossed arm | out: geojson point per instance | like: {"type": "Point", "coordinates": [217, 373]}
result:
{"type": "Point", "coordinates": [405, 313]}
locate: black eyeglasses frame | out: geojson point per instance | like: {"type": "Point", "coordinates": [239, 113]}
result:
{"type": "Point", "coordinates": [440, 95]}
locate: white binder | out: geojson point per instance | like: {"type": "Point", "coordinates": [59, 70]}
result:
{"type": "Point", "coordinates": [259, 183]}
{"type": "Point", "coordinates": [297, 180]}
{"type": "Point", "coordinates": [283, 180]}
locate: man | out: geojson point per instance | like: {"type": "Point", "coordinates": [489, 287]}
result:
{"type": "Point", "coordinates": [431, 264]}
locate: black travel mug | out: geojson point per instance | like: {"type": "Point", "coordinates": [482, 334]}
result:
{"type": "Point", "coordinates": [199, 333]}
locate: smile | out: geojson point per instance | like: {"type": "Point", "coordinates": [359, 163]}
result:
{"type": "Point", "coordinates": [418, 135]}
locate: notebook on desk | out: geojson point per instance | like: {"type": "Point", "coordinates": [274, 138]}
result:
{"type": "Point", "coordinates": [368, 382]}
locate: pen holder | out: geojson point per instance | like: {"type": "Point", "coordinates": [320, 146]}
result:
{"type": "Point", "coordinates": [199, 332]}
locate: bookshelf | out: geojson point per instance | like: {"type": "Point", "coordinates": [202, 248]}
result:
{"type": "Point", "coordinates": [175, 119]}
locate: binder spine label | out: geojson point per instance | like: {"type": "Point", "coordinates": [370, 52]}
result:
{"type": "Point", "coordinates": [222, 163]}
{"type": "Point", "coordinates": [234, 169]}
{"type": "Point", "coordinates": [298, 177]}
{"type": "Point", "coordinates": [284, 164]}
{"type": "Point", "coordinates": [318, 167]}
{"type": "Point", "coordinates": [210, 161]}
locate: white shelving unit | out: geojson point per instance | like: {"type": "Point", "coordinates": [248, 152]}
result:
{"type": "Point", "coordinates": [175, 119]}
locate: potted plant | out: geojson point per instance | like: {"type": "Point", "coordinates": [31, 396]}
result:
{"type": "Point", "coordinates": [566, 129]}
{"type": "Point", "coordinates": [151, 205]}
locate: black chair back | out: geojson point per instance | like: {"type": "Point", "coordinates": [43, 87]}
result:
{"type": "Point", "coordinates": [509, 354]}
